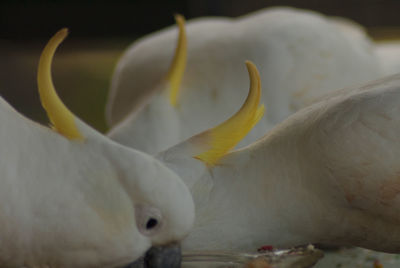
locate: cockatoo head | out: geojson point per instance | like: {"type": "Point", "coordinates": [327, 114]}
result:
{"type": "Point", "coordinates": [160, 216]}
{"type": "Point", "coordinates": [162, 204]}
{"type": "Point", "coordinates": [159, 107]}
{"type": "Point", "coordinates": [154, 204]}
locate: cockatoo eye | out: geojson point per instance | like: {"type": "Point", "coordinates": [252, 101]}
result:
{"type": "Point", "coordinates": [151, 223]}
{"type": "Point", "coordinates": [148, 219]}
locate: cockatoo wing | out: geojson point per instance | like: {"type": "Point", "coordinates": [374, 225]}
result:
{"type": "Point", "coordinates": [352, 142]}
{"type": "Point", "coordinates": [339, 171]}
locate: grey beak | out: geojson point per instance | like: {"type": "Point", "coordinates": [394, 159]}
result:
{"type": "Point", "coordinates": [160, 257]}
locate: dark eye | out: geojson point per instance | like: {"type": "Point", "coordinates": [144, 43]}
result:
{"type": "Point", "coordinates": [151, 223]}
{"type": "Point", "coordinates": [149, 219]}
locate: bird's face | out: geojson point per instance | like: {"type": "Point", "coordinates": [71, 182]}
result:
{"type": "Point", "coordinates": [162, 204]}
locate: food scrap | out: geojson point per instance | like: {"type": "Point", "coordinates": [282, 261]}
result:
{"type": "Point", "coordinates": [265, 248]}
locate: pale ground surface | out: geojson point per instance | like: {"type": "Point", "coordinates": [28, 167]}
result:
{"type": "Point", "coordinates": [301, 257]}
{"type": "Point", "coordinates": [358, 258]}
{"type": "Point", "coordinates": [82, 71]}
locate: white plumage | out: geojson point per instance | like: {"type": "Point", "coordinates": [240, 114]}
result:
{"type": "Point", "coordinates": [300, 55]}
{"type": "Point", "coordinates": [80, 202]}
{"type": "Point", "coordinates": [389, 56]}
{"type": "Point", "coordinates": [328, 174]}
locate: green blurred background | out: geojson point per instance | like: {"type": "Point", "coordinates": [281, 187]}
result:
{"type": "Point", "coordinates": [101, 30]}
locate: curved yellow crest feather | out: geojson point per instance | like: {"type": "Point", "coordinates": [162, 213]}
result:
{"type": "Point", "coordinates": [224, 137]}
{"type": "Point", "coordinates": [177, 68]}
{"type": "Point", "coordinates": [62, 119]}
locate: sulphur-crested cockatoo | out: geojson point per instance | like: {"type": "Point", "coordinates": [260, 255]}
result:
{"type": "Point", "coordinates": [328, 174]}
{"type": "Point", "coordinates": [300, 55]}
{"type": "Point", "coordinates": [71, 197]}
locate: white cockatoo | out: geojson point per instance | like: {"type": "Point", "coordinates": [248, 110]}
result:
{"type": "Point", "coordinates": [327, 174]}
{"type": "Point", "coordinates": [300, 54]}
{"type": "Point", "coordinates": [71, 197]}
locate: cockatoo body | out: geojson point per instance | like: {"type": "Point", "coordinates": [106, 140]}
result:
{"type": "Point", "coordinates": [77, 199]}
{"type": "Point", "coordinates": [327, 174]}
{"type": "Point", "coordinates": [300, 55]}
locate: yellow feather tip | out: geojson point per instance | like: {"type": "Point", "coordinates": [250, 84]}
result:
{"type": "Point", "coordinates": [62, 119]}
{"type": "Point", "coordinates": [177, 68]}
{"type": "Point", "coordinates": [224, 137]}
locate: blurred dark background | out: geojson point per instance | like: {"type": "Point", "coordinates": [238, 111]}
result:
{"type": "Point", "coordinates": [100, 30]}
{"type": "Point", "coordinates": [27, 19]}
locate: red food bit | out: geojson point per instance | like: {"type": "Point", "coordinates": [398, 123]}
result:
{"type": "Point", "coordinates": [266, 248]}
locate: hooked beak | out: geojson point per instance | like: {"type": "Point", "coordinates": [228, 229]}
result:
{"type": "Point", "coordinates": [168, 256]}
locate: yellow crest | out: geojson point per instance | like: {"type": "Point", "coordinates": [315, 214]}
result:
{"type": "Point", "coordinates": [224, 137]}
{"type": "Point", "coordinates": [177, 68]}
{"type": "Point", "coordinates": [62, 119]}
